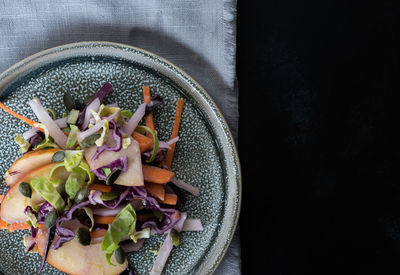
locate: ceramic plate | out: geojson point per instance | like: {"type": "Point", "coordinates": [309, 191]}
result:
{"type": "Point", "coordinates": [205, 155]}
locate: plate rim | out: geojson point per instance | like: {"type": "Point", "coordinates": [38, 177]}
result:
{"type": "Point", "coordinates": [32, 62]}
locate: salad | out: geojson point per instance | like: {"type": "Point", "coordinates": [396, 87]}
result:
{"type": "Point", "coordinates": [93, 185]}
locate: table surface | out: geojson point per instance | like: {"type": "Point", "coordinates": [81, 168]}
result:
{"type": "Point", "coordinates": [318, 143]}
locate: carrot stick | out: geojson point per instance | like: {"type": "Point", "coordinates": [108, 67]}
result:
{"type": "Point", "coordinates": [100, 187]}
{"type": "Point", "coordinates": [17, 226]}
{"type": "Point", "coordinates": [98, 233]}
{"type": "Point", "coordinates": [175, 130]}
{"type": "Point", "coordinates": [3, 224]}
{"type": "Point", "coordinates": [147, 98]}
{"type": "Point", "coordinates": [156, 175]}
{"type": "Point", "coordinates": [104, 219]}
{"type": "Point", "coordinates": [156, 190]}
{"type": "Point", "coordinates": [1, 198]}
{"type": "Point", "coordinates": [145, 143]}
{"type": "Point", "coordinates": [170, 199]}
{"type": "Point", "coordinates": [24, 119]}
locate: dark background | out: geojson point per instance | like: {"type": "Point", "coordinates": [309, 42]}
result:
{"type": "Point", "coordinates": [319, 141]}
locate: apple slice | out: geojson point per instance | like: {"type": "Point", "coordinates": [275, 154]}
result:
{"type": "Point", "coordinates": [73, 258]}
{"type": "Point", "coordinates": [28, 162]}
{"type": "Point", "coordinates": [14, 203]}
{"type": "Point", "coordinates": [134, 175]}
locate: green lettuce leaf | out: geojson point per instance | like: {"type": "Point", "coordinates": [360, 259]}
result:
{"type": "Point", "coordinates": [32, 219]}
{"type": "Point", "coordinates": [83, 165]}
{"type": "Point", "coordinates": [100, 141]}
{"type": "Point", "coordinates": [143, 234]}
{"type": "Point", "coordinates": [72, 159]}
{"type": "Point", "coordinates": [126, 142]}
{"type": "Point", "coordinates": [123, 225]}
{"type": "Point", "coordinates": [23, 144]}
{"type": "Point", "coordinates": [48, 141]}
{"type": "Point", "coordinates": [107, 111]}
{"type": "Point", "coordinates": [89, 213]}
{"type": "Point", "coordinates": [72, 139]}
{"type": "Point", "coordinates": [75, 182]}
{"type": "Point", "coordinates": [48, 192]}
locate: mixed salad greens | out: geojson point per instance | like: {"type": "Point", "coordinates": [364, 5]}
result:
{"type": "Point", "coordinates": [93, 185]}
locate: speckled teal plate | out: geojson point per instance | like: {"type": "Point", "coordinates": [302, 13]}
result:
{"type": "Point", "coordinates": [205, 155]}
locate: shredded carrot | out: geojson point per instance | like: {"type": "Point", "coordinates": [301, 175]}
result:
{"type": "Point", "coordinates": [145, 143]}
{"type": "Point", "coordinates": [1, 198]}
{"type": "Point", "coordinates": [98, 233]}
{"type": "Point", "coordinates": [175, 130]}
{"type": "Point", "coordinates": [104, 219]}
{"type": "Point", "coordinates": [170, 199]}
{"type": "Point", "coordinates": [156, 190]}
{"type": "Point", "coordinates": [156, 175]}
{"type": "Point", "coordinates": [100, 187]}
{"type": "Point", "coordinates": [17, 226]}
{"type": "Point", "coordinates": [24, 119]}
{"type": "Point", "coordinates": [147, 98]}
{"type": "Point", "coordinates": [3, 224]}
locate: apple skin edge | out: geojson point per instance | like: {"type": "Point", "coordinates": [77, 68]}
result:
{"type": "Point", "coordinates": [28, 162]}
{"type": "Point", "coordinates": [73, 258]}
{"type": "Point", "coordinates": [14, 203]}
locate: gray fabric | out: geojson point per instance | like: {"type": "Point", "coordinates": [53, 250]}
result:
{"type": "Point", "coordinates": [198, 36]}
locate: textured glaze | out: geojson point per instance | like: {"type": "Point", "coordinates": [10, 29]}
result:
{"type": "Point", "coordinates": [205, 155]}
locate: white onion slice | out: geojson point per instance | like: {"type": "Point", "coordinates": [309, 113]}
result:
{"type": "Point", "coordinates": [104, 211]}
{"type": "Point", "coordinates": [179, 226]}
{"type": "Point", "coordinates": [30, 133]}
{"type": "Point", "coordinates": [135, 119]}
{"type": "Point", "coordinates": [192, 225]}
{"type": "Point", "coordinates": [162, 256]}
{"type": "Point", "coordinates": [191, 189]}
{"type": "Point", "coordinates": [43, 116]}
{"type": "Point", "coordinates": [95, 106]}
{"type": "Point", "coordinates": [107, 211]}
{"type": "Point", "coordinates": [62, 122]}
{"type": "Point", "coordinates": [113, 105]}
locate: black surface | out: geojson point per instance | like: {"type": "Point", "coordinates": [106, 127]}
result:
{"type": "Point", "coordinates": [319, 119]}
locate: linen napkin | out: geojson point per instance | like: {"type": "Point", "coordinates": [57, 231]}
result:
{"type": "Point", "coordinates": [198, 36]}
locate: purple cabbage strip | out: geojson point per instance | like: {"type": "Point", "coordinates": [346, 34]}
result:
{"type": "Point", "coordinates": [32, 241]}
{"type": "Point", "coordinates": [94, 198]}
{"type": "Point", "coordinates": [43, 211]}
{"type": "Point", "coordinates": [118, 140]}
{"type": "Point", "coordinates": [168, 220]}
{"type": "Point", "coordinates": [150, 203]}
{"type": "Point", "coordinates": [33, 232]}
{"type": "Point", "coordinates": [154, 103]}
{"type": "Point", "coordinates": [101, 94]}
{"type": "Point", "coordinates": [157, 159]}
{"type": "Point", "coordinates": [121, 163]}
{"type": "Point", "coordinates": [65, 234]}
{"type": "Point", "coordinates": [50, 237]}
{"type": "Point", "coordinates": [35, 140]}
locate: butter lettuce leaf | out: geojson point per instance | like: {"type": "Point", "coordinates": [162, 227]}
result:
{"type": "Point", "coordinates": [72, 159]}
{"type": "Point", "coordinates": [75, 182]}
{"type": "Point", "coordinates": [48, 191]}
{"type": "Point", "coordinates": [23, 144]}
{"type": "Point", "coordinates": [122, 226]}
